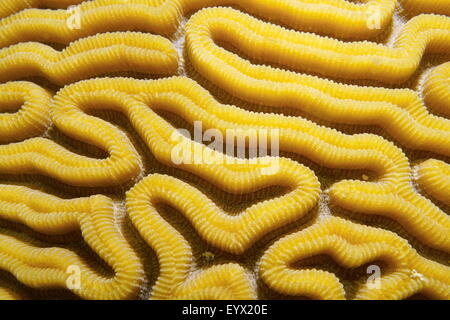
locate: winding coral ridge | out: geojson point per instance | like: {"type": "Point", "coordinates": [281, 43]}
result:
{"type": "Point", "coordinates": [436, 90]}
{"type": "Point", "coordinates": [228, 281]}
{"type": "Point", "coordinates": [434, 178]}
{"type": "Point", "coordinates": [234, 233]}
{"type": "Point", "coordinates": [391, 195]}
{"type": "Point", "coordinates": [421, 6]}
{"type": "Point", "coordinates": [44, 156]}
{"type": "Point", "coordinates": [401, 112]}
{"type": "Point", "coordinates": [352, 245]}
{"type": "Point", "coordinates": [33, 116]}
{"type": "Point", "coordinates": [46, 268]}
{"type": "Point", "coordinates": [10, 7]}
{"type": "Point", "coordinates": [266, 42]}
{"type": "Point", "coordinates": [243, 56]}
{"type": "Point", "coordinates": [89, 57]}
{"type": "Point", "coordinates": [338, 18]}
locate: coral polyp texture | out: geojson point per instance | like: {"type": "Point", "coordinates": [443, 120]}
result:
{"type": "Point", "coordinates": [224, 149]}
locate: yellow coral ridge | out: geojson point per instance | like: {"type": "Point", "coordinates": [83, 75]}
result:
{"type": "Point", "coordinates": [175, 256]}
{"type": "Point", "coordinates": [31, 119]}
{"type": "Point", "coordinates": [51, 267]}
{"type": "Point", "coordinates": [392, 195]}
{"type": "Point", "coordinates": [135, 98]}
{"type": "Point", "coordinates": [391, 189]}
{"type": "Point", "coordinates": [8, 294]}
{"type": "Point", "coordinates": [234, 233]}
{"type": "Point", "coordinates": [43, 156]}
{"type": "Point", "coordinates": [8, 7]}
{"type": "Point", "coordinates": [306, 51]}
{"type": "Point", "coordinates": [426, 6]}
{"type": "Point", "coordinates": [434, 178]}
{"type": "Point", "coordinates": [89, 57]}
{"type": "Point", "coordinates": [221, 282]}
{"type": "Point", "coordinates": [400, 111]}
{"type": "Point", "coordinates": [337, 18]}
{"type": "Point", "coordinates": [436, 90]}
{"type": "Point", "coordinates": [352, 245]}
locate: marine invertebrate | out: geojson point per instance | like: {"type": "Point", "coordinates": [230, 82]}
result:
{"type": "Point", "coordinates": [434, 178]}
{"type": "Point", "coordinates": [48, 267]}
{"type": "Point", "coordinates": [42, 155]}
{"type": "Point", "coordinates": [436, 92]}
{"type": "Point", "coordinates": [391, 195]}
{"type": "Point", "coordinates": [438, 6]}
{"type": "Point", "coordinates": [89, 57]}
{"type": "Point", "coordinates": [351, 245]}
{"type": "Point", "coordinates": [227, 281]}
{"type": "Point", "coordinates": [33, 116]}
{"type": "Point", "coordinates": [400, 112]}
{"type": "Point", "coordinates": [347, 21]}
{"type": "Point", "coordinates": [233, 233]}
{"type": "Point", "coordinates": [10, 7]}
{"type": "Point", "coordinates": [266, 42]}
{"type": "Point", "coordinates": [162, 17]}
{"type": "Point", "coordinates": [388, 186]}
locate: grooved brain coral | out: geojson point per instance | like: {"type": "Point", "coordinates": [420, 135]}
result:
{"type": "Point", "coordinates": [121, 173]}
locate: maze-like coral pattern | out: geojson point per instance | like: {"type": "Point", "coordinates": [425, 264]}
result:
{"type": "Point", "coordinates": [357, 93]}
{"type": "Point", "coordinates": [90, 57]}
{"type": "Point", "coordinates": [351, 245]}
{"type": "Point", "coordinates": [47, 267]}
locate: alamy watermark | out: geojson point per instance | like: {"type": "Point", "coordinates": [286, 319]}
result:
{"type": "Point", "coordinates": [74, 20]}
{"type": "Point", "coordinates": [374, 280]}
{"type": "Point", "coordinates": [263, 147]}
{"type": "Point", "coordinates": [73, 281]}
{"type": "Point", "coordinates": [374, 15]}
